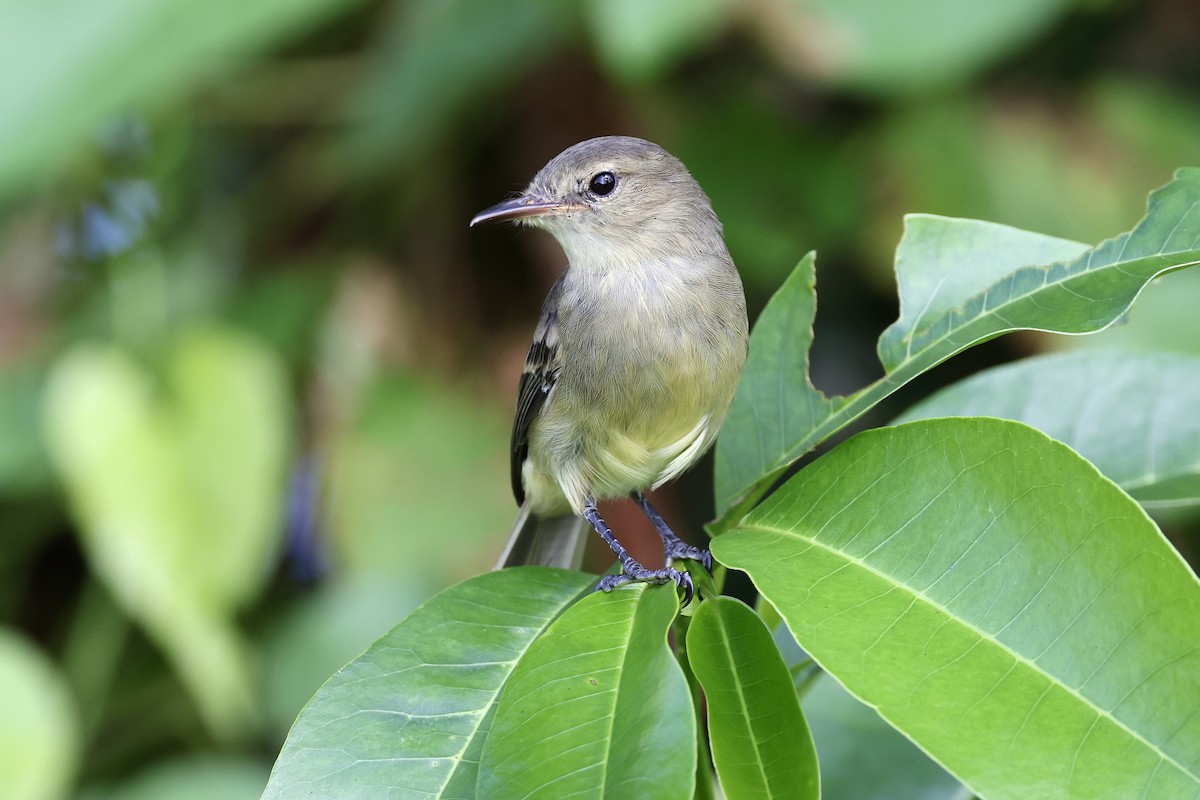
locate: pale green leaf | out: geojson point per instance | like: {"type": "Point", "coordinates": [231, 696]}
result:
{"type": "Point", "coordinates": [40, 737]}
{"type": "Point", "coordinates": [408, 717]}
{"type": "Point", "coordinates": [1133, 415]}
{"type": "Point", "coordinates": [996, 599]}
{"type": "Point", "coordinates": [178, 493]}
{"type": "Point", "coordinates": [760, 743]}
{"type": "Point", "coordinates": [598, 707]}
{"type": "Point", "coordinates": [961, 282]}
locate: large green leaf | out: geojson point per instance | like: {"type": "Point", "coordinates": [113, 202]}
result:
{"type": "Point", "coordinates": [598, 707]}
{"type": "Point", "coordinates": [179, 496]}
{"type": "Point", "coordinates": [760, 742]}
{"type": "Point", "coordinates": [39, 740]}
{"type": "Point", "coordinates": [1133, 415]}
{"type": "Point", "coordinates": [409, 716]}
{"type": "Point", "coordinates": [83, 62]}
{"type": "Point", "coordinates": [961, 282]}
{"type": "Point", "coordinates": [996, 599]}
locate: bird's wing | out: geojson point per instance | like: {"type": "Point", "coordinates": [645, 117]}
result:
{"type": "Point", "coordinates": [537, 381]}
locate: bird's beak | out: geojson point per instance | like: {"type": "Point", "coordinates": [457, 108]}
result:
{"type": "Point", "coordinates": [524, 207]}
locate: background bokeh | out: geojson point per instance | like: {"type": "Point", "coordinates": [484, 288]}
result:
{"type": "Point", "coordinates": [256, 373]}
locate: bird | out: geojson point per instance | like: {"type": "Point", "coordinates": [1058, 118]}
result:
{"type": "Point", "coordinates": [635, 357]}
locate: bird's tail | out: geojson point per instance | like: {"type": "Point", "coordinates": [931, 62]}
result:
{"type": "Point", "coordinates": [550, 542]}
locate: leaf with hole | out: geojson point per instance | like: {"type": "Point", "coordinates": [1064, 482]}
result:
{"type": "Point", "coordinates": [961, 282]}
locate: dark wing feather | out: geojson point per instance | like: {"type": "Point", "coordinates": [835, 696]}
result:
{"type": "Point", "coordinates": [537, 380]}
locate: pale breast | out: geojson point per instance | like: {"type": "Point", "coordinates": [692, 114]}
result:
{"type": "Point", "coordinates": [646, 378]}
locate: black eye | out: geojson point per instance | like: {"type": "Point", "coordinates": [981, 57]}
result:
{"type": "Point", "coordinates": [602, 184]}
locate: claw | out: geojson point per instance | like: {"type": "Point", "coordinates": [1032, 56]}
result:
{"type": "Point", "coordinates": [689, 588]}
{"type": "Point", "coordinates": [669, 575]}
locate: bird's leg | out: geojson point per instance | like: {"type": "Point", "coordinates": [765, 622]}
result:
{"type": "Point", "coordinates": [673, 546]}
{"type": "Point", "coordinates": [631, 570]}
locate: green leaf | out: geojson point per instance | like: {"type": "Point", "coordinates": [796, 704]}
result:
{"type": "Point", "coordinates": [409, 716]}
{"type": "Point", "coordinates": [85, 62]}
{"type": "Point", "coordinates": [760, 743]}
{"type": "Point", "coordinates": [39, 740]}
{"type": "Point", "coordinates": [961, 282]}
{"type": "Point", "coordinates": [775, 403]}
{"type": "Point", "coordinates": [179, 497]}
{"type": "Point", "coordinates": [598, 707]}
{"type": "Point", "coordinates": [846, 729]}
{"type": "Point", "coordinates": [996, 599]}
{"type": "Point", "coordinates": [1133, 415]}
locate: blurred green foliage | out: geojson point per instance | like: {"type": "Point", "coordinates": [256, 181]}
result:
{"type": "Point", "coordinates": [254, 372]}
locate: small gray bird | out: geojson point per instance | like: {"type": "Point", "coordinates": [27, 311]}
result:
{"type": "Point", "coordinates": [636, 354]}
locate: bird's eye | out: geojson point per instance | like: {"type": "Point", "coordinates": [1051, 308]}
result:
{"type": "Point", "coordinates": [602, 184]}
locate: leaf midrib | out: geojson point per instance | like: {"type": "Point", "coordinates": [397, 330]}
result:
{"type": "Point", "coordinates": [733, 667]}
{"type": "Point", "coordinates": [1018, 657]}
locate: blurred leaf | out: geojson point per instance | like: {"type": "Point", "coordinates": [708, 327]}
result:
{"type": "Point", "coordinates": [896, 769]}
{"type": "Point", "coordinates": [201, 777]}
{"type": "Point", "coordinates": [904, 47]}
{"type": "Point", "coordinates": [408, 717]}
{"type": "Point", "coordinates": [996, 599]}
{"type": "Point", "coordinates": [39, 740]}
{"type": "Point", "coordinates": [85, 62]}
{"type": "Point", "coordinates": [597, 708]}
{"type": "Point", "coordinates": [1132, 415]}
{"type": "Point", "coordinates": [179, 497]}
{"type": "Point", "coordinates": [760, 743]}
{"type": "Point", "coordinates": [413, 443]}
{"type": "Point", "coordinates": [323, 631]}
{"type": "Point", "coordinates": [637, 41]}
{"type": "Point", "coordinates": [24, 465]}
{"type": "Point", "coordinates": [961, 282]}
{"type": "Point", "coordinates": [471, 46]}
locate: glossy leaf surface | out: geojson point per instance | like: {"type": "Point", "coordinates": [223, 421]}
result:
{"type": "Point", "coordinates": [1133, 415]}
{"type": "Point", "coordinates": [598, 707]}
{"type": "Point", "coordinates": [997, 600]}
{"type": "Point", "coordinates": [760, 742]}
{"type": "Point", "coordinates": [409, 716]}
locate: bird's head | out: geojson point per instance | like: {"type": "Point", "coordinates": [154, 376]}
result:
{"type": "Point", "coordinates": [613, 195]}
